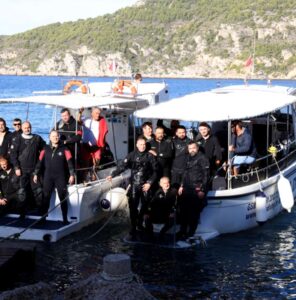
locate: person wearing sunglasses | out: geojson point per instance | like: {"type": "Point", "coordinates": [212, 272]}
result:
{"type": "Point", "coordinates": [17, 126]}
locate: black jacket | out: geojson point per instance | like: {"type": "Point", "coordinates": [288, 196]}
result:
{"type": "Point", "coordinates": [197, 172]}
{"type": "Point", "coordinates": [143, 167]}
{"type": "Point", "coordinates": [211, 148]}
{"type": "Point", "coordinates": [69, 132]}
{"type": "Point", "coordinates": [164, 150]}
{"type": "Point", "coordinates": [180, 152]}
{"type": "Point", "coordinates": [9, 184]}
{"type": "Point", "coordinates": [56, 162]}
{"type": "Point", "coordinates": [5, 147]}
{"type": "Point", "coordinates": [25, 152]}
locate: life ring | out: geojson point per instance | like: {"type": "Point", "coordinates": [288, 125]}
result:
{"type": "Point", "coordinates": [68, 86]}
{"type": "Point", "coordinates": [120, 84]}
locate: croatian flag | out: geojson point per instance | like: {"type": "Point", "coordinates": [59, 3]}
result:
{"type": "Point", "coordinates": [113, 66]}
{"type": "Point", "coordinates": [249, 61]}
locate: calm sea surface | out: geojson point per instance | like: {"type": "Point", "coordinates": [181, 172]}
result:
{"type": "Point", "coordinates": [256, 264]}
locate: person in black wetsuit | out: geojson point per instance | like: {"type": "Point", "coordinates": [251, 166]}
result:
{"type": "Point", "coordinates": [143, 174]}
{"type": "Point", "coordinates": [209, 145]}
{"type": "Point", "coordinates": [161, 208]}
{"type": "Point", "coordinates": [180, 143]}
{"type": "Point", "coordinates": [25, 150]}
{"type": "Point", "coordinates": [56, 161]}
{"type": "Point", "coordinates": [193, 189]}
{"type": "Point", "coordinates": [17, 125]}
{"type": "Point", "coordinates": [147, 134]}
{"type": "Point", "coordinates": [70, 131]}
{"type": "Point", "coordinates": [5, 139]}
{"type": "Point", "coordinates": [9, 187]}
{"type": "Point", "coordinates": [163, 150]}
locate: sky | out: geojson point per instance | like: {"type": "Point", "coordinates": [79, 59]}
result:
{"type": "Point", "coordinates": [21, 15]}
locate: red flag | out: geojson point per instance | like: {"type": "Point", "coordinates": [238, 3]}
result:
{"type": "Point", "coordinates": [113, 66]}
{"type": "Point", "coordinates": [249, 61]}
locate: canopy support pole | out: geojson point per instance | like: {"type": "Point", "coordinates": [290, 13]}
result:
{"type": "Point", "coordinates": [229, 157]}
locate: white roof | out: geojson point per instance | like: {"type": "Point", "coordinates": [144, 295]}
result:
{"type": "Point", "coordinates": [76, 101]}
{"type": "Point", "coordinates": [229, 103]}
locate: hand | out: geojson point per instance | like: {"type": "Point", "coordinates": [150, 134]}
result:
{"type": "Point", "coordinates": [71, 179]}
{"type": "Point", "coordinates": [200, 194]}
{"type": "Point", "coordinates": [217, 162]}
{"type": "Point", "coordinates": [172, 215]}
{"type": "Point", "coordinates": [81, 110]}
{"type": "Point", "coordinates": [3, 201]}
{"type": "Point", "coordinates": [109, 178]}
{"type": "Point", "coordinates": [35, 178]}
{"type": "Point", "coordinates": [18, 172]}
{"type": "Point", "coordinates": [180, 191]}
{"type": "Point", "coordinates": [146, 187]}
{"type": "Point", "coordinates": [231, 148]}
{"type": "Point", "coordinates": [146, 217]}
{"type": "Point", "coordinates": [153, 152]}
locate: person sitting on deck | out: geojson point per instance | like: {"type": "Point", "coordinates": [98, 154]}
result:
{"type": "Point", "coordinates": [161, 208]}
{"type": "Point", "coordinates": [9, 187]}
{"type": "Point", "coordinates": [242, 147]}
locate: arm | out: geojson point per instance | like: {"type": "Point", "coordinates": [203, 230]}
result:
{"type": "Point", "coordinates": [70, 166]}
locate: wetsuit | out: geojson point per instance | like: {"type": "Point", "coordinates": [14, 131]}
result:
{"type": "Point", "coordinates": [5, 145]}
{"type": "Point", "coordinates": [143, 170]}
{"type": "Point", "coordinates": [179, 161]}
{"type": "Point", "coordinates": [9, 189]}
{"type": "Point", "coordinates": [212, 150]}
{"type": "Point", "coordinates": [25, 150]}
{"type": "Point", "coordinates": [164, 151]}
{"type": "Point", "coordinates": [195, 179]}
{"type": "Point", "coordinates": [160, 209]}
{"type": "Point", "coordinates": [57, 164]}
{"type": "Point", "coordinates": [70, 133]}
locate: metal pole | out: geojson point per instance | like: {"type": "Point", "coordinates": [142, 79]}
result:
{"type": "Point", "coordinates": [267, 143]}
{"type": "Point", "coordinates": [229, 157]}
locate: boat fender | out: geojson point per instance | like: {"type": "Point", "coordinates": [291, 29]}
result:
{"type": "Point", "coordinates": [261, 212]}
{"type": "Point", "coordinates": [113, 199]}
{"type": "Point", "coordinates": [286, 193]}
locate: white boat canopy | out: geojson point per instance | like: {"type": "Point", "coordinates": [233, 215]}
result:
{"type": "Point", "coordinates": [230, 103]}
{"type": "Point", "coordinates": [76, 101]}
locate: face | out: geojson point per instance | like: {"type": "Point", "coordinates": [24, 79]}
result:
{"type": "Point", "coordinates": [181, 133]}
{"type": "Point", "coordinates": [141, 145]}
{"type": "Point", "coordinates": [159, 134]}
{"type": "Point", "coordinates": [164, 183]}
{"type": "Point", "coordinates": [65, 116]}
{"type": "Point", "coordinates": [26, 128]}
{"type": "Point", "coordinates": [204, 131]}
{"type": "Point", "coordinates": [54, 137]}
{"type": "Point", "coordinates": [4, 165]}
{"type": "Point", "coordinates": [2, 127]}
{"type": "Point", "coordinates": [17, 125]}
{"type": "Point", "coordinates": [147, 130]}
{"type": "Point", "coordinates": [95, 114]}
{"type": "Point", "coordinates": [192, 149]}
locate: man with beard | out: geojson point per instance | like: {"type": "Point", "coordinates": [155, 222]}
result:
{"type": "Point", "coordinates": [163, 150]}
{"type": "Point", "coordinates": [180, 143]}
{"type": "Point", "coordinates": [143, 174]}
{"type": "Point", "coordinates": [193, 189]}
{"type": "Point", "coordinates": [25, 151]}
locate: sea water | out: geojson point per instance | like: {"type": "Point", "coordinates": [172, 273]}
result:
{"type": "Point", "coordinates": [255, 264]}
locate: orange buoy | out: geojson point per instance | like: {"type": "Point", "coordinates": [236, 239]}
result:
{"type": "Point", "coordinates": [120, 84]}
{"type": "Point", "coordinates": [79, 83]}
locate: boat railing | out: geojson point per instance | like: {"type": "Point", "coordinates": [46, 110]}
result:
{"type": "Point", "coordinates": [265, 167]}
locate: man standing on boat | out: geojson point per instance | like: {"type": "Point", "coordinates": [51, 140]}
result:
{"type": "Point", "coordinates": [17, 125]}
{"type": "Point", "coordinates": [148, 135]}
{"type": "Point", "coordinates": [25, 150]}
{"type": "Point", "coordinates": [163, 150]}
{"type": "Point", "coordinates": [209, 145]}
{"type": "Point", "coordinates": [193, 189]}
{"type": "Point", "coordinates": [56, 160]}
{"type": "Point", "coordinates": [95, 130]}
{"type": "Point", "coordinates": [5, 139]}
{"type": "Point", "coordinates": [180, 143]}
{"type": "Point", "coordinates": [70, 131]}
{"type": "Point", "coordinates": [143, 174]}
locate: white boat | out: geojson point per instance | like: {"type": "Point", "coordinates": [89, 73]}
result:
{"type": "Point", "coordinates": [85, 200]}
{"type": "Point", "coordinates": [270, 114]}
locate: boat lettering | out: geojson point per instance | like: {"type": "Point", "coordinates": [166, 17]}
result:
{"type": "Point", "coordinates": [251, 215]}
{"type": "Point", "coordinates": [273, 201]}
{"type": "Point", "coordinates": [251, 205]}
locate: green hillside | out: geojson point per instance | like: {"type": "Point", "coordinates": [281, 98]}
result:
{"type": "Point", "coordinates": [171, 34]}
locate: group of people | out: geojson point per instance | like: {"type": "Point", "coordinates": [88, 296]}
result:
{"type": "Point", "coordinates": [31, 170]}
